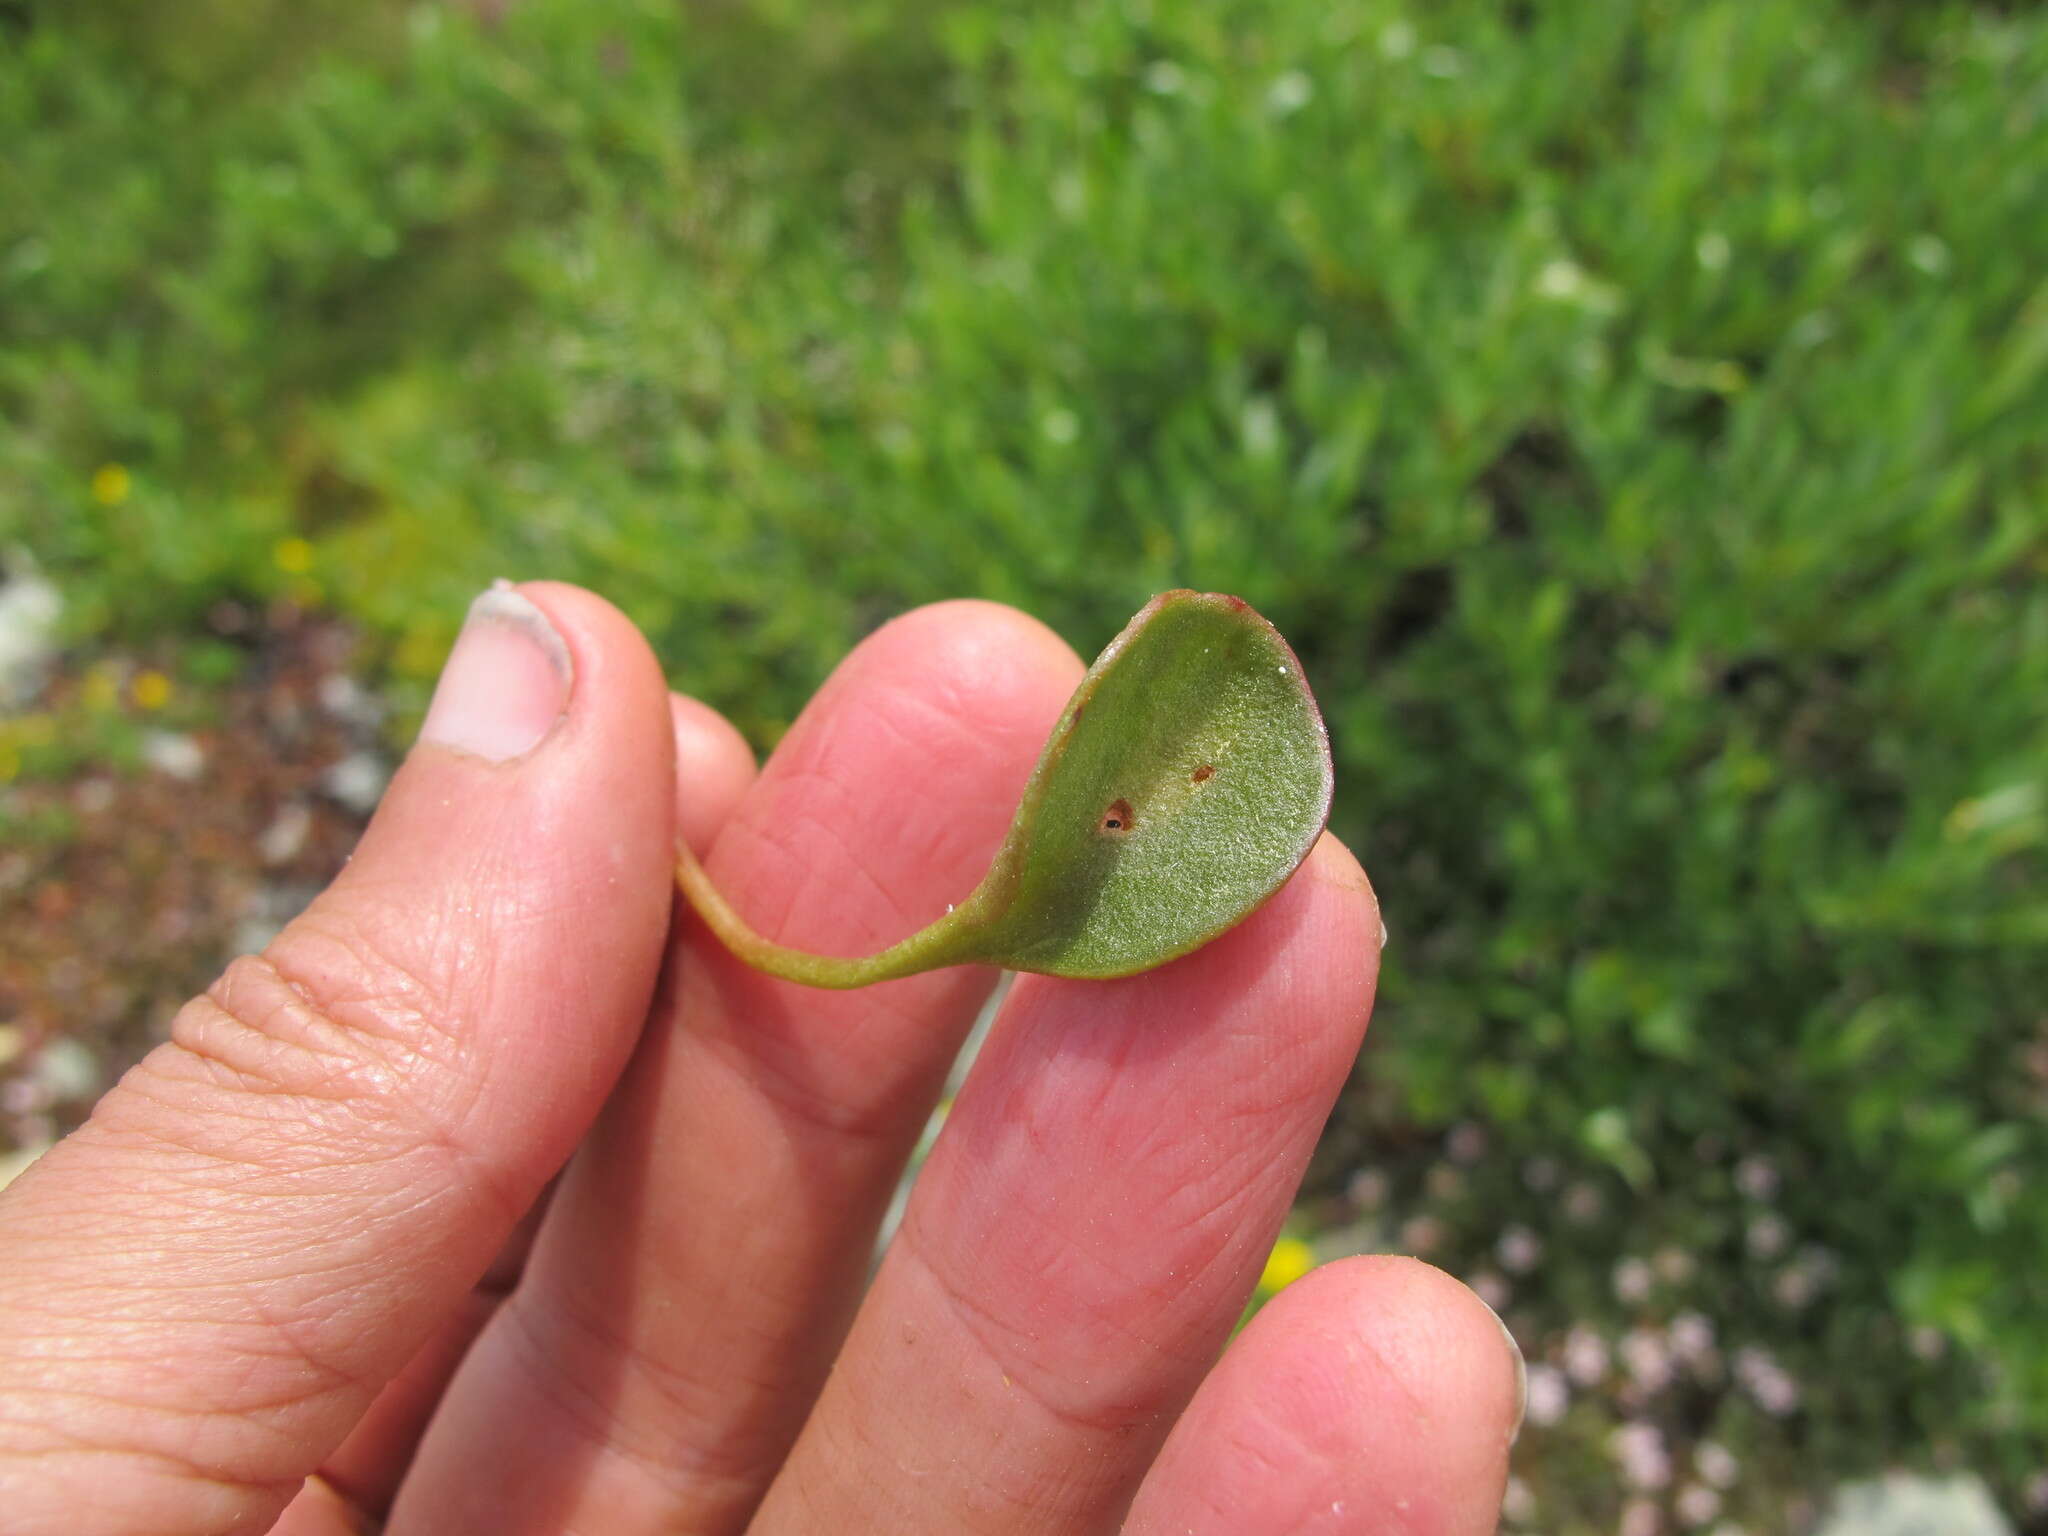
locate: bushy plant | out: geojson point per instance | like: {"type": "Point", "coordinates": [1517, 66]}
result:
{"type": "Point", "coordinates": [1631, 412]}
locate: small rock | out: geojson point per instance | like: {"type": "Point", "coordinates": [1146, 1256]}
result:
{"type": "Point", "coordinates": [350, 702]}
{"type": "Point", "coordinates": [174, 754]}
{"type": "Point", "coordinates": [1518, 1502]}
{"type": "Point", "coordinates": [283, 839]}
{"type": "Point", "coordinates": [253, 934]}
{"type": "Point", "coordinates": [68, 1071]}
{"type": "Point", "coordinates": [357, 781]}
{"type": "Point", "coordinates": [1902, 1504]}
{"type": "Point", "coordinates": [269, 910]}
{"type": "Point", "coordinates": [29, 610]}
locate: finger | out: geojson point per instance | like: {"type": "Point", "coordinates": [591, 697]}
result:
{"type": "Point", "coordinates": [367, 1467]}
{"type": "Point", "coordinates": [1088, 1228]}
{"type": "Point", "coordinates": [714, 766]}
{"type": "Point", "coordinates": [1374, 1394]}
{"type": "Point", "coordinates": [203, 1289]}
{"type": "Point", "coordinates": [320, 1509]}
{"type": "Point", "coordinates": [697, 1274]}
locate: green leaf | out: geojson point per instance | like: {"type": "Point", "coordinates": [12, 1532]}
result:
{"type": "Point", "coordinates": [1187, 779]}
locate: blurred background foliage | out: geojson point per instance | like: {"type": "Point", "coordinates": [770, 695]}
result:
{"type": "Point", "coordinates": [1633, 413]}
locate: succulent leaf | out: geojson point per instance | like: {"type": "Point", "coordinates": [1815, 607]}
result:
{"type": "Point", "coordinates": [1186, 780]}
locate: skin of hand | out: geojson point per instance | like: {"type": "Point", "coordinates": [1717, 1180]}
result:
{"type": "Point", "coordinates": [495, 1197]}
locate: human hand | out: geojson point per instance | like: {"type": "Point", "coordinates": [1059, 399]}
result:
{"type": "Point", "coordinates": [300, 1270]}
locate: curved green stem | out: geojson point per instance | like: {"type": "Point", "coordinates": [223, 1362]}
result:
{"type": "Point", "coordinates": [940, 944]}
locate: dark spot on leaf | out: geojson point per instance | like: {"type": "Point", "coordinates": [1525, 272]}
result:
{"type": "Point", "coordinates": [1202, 773]}
{"type": "Point", "coordinates": [1117, 819]}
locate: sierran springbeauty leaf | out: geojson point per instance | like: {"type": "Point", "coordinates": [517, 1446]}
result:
{"type": "Point", "coordinates": [1187, 779]}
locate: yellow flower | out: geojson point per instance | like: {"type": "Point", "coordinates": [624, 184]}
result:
{"type": "Point", "coordinates": [294, 556]}
{"type": "Point", "coordinates": [151, 690]}
{"type": "Point", "coordinates": [110, 485]}
{"type": "Point", "coordinates": [1290, 1259]}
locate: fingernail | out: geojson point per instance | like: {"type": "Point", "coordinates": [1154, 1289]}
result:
{"type": "Point", "coordinates": [506, 682]}
{"type": "Point", "coordinates": [1521, 1377]}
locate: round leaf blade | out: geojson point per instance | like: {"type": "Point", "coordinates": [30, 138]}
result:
{"type": "Point", "coordinates": [1188, 778]}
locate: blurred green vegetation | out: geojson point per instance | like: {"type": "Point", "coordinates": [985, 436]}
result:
{"type": "Point", "coordinates": [1632, 412]}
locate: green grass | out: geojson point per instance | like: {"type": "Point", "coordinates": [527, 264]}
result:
{"type": "Point", "coordinates": [1632, 413]}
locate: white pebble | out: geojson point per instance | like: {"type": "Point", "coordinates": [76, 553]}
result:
{"type": "Point", "coordinates": [174, 754]}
